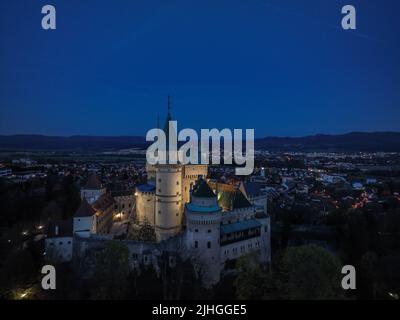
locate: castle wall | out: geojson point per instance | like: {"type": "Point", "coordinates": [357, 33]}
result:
{"type": "Point", "coordinates": [124, 205]}
{"type": "Point", "coordinates": [85, 226]}
{"type": "Point", "coordinates": [235, 250]}
{"type": "Point", "coordinates": [145, 207]}
{"type": "Point", "coordinates": [58, 249]}
{"type": "Point", "coordinates": [203, 221]}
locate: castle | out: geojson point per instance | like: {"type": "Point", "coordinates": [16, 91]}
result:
{"type": "Point", "coordinates": [209, 222]}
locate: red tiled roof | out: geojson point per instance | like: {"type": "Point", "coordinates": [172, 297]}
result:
{"type": "Point", "coordinates": [104, 202]}
{"type": "Point", "coordinates": [85, 210]}
{"type": "Point", "coordinates": [93, 182]}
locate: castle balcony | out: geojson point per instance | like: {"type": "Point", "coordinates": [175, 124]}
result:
{"type": "Point", "coordinates": [240, 231]}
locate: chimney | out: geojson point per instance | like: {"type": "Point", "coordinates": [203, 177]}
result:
{"type": "Point", "coordinates": [56, 230]}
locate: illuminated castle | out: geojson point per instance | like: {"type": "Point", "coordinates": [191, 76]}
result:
{"type": "Point", "coordinates": [161, 201]}
{"type": "Point", "coordinates": [210, 223]}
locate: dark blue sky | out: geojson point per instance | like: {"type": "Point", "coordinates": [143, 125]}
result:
{"type": "Point", "coordinates": [283, 67]}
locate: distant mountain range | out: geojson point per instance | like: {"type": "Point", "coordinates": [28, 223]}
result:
{"type": "Point", "coordinates": [354, 141]}
{"type": "Point", "coordinates": [77, 143]}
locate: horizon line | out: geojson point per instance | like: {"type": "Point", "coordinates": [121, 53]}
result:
{"type": "Point", "coordinates": [143, 136]}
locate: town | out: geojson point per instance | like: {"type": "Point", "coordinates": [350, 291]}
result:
{"type": "Point", "coordinates": [345, 203]}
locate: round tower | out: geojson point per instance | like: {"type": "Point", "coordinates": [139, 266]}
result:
{"type": "Point", "coordinates": [168, 206]}
{"type": "Point", "coordinates": [203, 220]}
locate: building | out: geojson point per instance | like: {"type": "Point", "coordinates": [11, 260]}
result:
{"type": "Point", "coordinates": [216, 237]}
{"type": "Point", "coordinates": [84, 221]}
{"type": "Point", "coordinates": [210, 223]}
{"type": "Point", "coordinates": [105, 211]}
{"type": "Point", "coordinates": [93, 189]}
{"type": "Point", "coordinates": [58, 244]}
{"type": "Point", "coordinates": [161, 201]}
{"type": "Point", "coordinates": [5, 172]}
{"type": "Point", "coordinates": [124, 204]}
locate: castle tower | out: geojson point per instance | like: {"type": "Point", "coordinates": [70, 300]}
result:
{"type": "Point", "coordinates": [93, 189]}
{"type": "Point", "coordinates": [203, 221]}
{"type": "Point", "coordinates": [168, 200]}
{"type": "Point", "coordinates": [168, 206]}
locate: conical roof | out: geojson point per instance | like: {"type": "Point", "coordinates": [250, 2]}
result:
{"type": "Point", "coordinates": [202, 190]}
{"type": "Point", "coordinates": [93, 182]}
{"type": "Point", "coordinates": [239, 200]}
{"type": "Point", "coordinates": [85, 210]}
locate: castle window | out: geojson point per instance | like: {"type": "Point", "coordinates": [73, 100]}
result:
{"type": "Point", "coordinates": [177, 214]}
{"type": "Point", "coordinates": [159, 211]}
{"type": "Point", "coordinates": [196, 244]}
{"type": "Point", "coordinates": [159, 190]}
{"type": "Point", "coordinates": [209, 244]}
{"type": "Point", "coordinates": [209, 231]}
{"type": "Point", "coordinates": [196, 230]}
{"type": "Point", "coordinates": [177, 183]}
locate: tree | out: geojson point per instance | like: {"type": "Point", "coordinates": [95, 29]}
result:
{"type": "Point", "coordinates": [252, 282]}
{"type": "Point", "coordinates": [17, 271]}
{"type": "Point", "coordinates": [179, 278]}
{"type": "Point", "coordinates": [111, 272]}
{"type": "Point", "coordinates": [144, 232]}
{"type": "Point", "coordinates": [309, 272]}
{"type": "Point", "coordinates": [144, 284]}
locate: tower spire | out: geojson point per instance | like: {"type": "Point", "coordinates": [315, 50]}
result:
{"type": "Point", "coordinates": [169, 105]}
{"type": "Point", "coordinates": [169, 117]}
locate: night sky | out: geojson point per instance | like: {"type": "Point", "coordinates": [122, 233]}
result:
{"type": "Point", "coordinates": [283, 67]}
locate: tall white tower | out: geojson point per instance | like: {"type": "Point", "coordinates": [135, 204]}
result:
{"type": "Point", "coordinates": [168, 200]}
{"type": "Point", "coordinates": [168, 206]}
